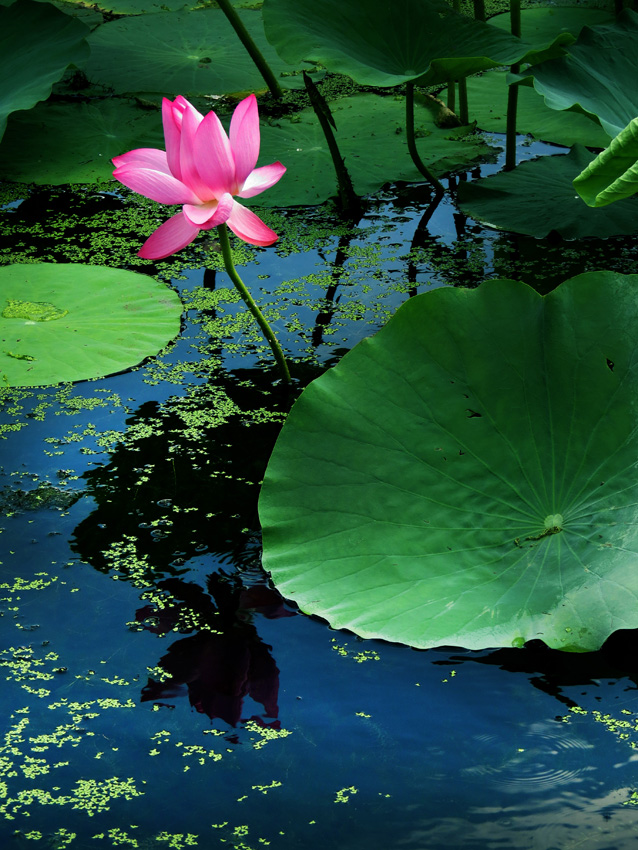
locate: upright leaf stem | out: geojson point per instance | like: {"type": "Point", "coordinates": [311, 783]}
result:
{"type": "Point", "coordinates": [512, 93]}
{"type": "Point", "coordinates": [479, 10]}
{"type": "Point", "coordinates": [348, 198]}
{"type": "Point", "coordinates": [250, 303]}
{"type": "Point", "coordinates": [409, 128]}
{"type": "Point", "coordinates": [254, 52]}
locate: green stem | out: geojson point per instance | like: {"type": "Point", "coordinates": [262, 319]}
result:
{"type": "Point", "coordinates": [464, 113]}
{"type": "Point", "coordinates": [255, 53]}
{"type": "Point", "coordinates": [350, 202]}
{"type": "Point", "coordinates": [451, 96]}
{"type": "Point", "coordinates": [409, 127]}
{"type": "Point", "coordinates": [250, 303]}
{"type": "Point", "coordinates": [479, 10]}
{"type": "Point", "coordinates": [512, 93]}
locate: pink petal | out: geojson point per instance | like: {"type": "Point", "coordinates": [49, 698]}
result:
{"type": "Point", "coordinates": [144, 158]}
{"type": "Point", "coordinates": [155, 185]}
{"type": "Point", "coordinates": [192, 120]}
{"type": "Point", "coordinates": [249, 226]}
{"type": "Point", "coordinates": [172, 121]}
{"type": "Point", "coordinates": [169, 238]}
{"type": "Point", "coordinates": [244, 137]}
{"type": "Point", "coordinates": [214, 157]}
{"type": "Point", "coordinates": [261, 179]}
{"type": "Point", "coordinates": [211, 214]}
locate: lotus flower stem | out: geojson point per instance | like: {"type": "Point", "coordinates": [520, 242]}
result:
{"type": "Point", "coordinates": [409, 127]}
{"type": "Point", "coordinates": [254, 52]}
{"type": "Point", "coordinates": [250, 303]}
{"type": "Point", "coordinates": [512, 93]}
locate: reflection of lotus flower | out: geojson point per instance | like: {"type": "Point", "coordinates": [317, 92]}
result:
{"type": "Point", "coordinates": [202, 168]}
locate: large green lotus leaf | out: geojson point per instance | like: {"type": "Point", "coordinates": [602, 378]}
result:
{"type": "Point", "coordinates": [69, 322]}
{"type": "Point", "coordinates": [598, 75]}
{"type": "Point", "coordinates": [613, 175]}
{"type": "Point", "coordinates": [467, 476]}
{"type": "Point", "coordinates": [81, 139]}
{"type": "Point", "coordinates": [371, 138]}
{"type": "Point", "coordinates": [538, 198]}
{"type": "Point", "coordinates": [37, 44]}
{"type": "Point", "coordinates": [189, 52]}
{"type": "Point", "coordinates": [487, 95]}
{"type": "Point", "coordinates": [550, 28]}
{"type": "Point", "coordinates": [385, 44]}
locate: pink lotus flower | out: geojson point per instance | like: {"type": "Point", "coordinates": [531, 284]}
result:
{"type": "Point", "coordinates": [202, 169]}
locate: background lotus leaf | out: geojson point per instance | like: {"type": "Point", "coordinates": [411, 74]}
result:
{"type": "Point", "coordinates": [550, 28]}
{"type": "Point", "coordinates": [385, 44]}
{"type": "Point", "coordinates": [466, 476]}
{"type": "Point", "coordinates": [598, 75]}
{"type": "Point", "coordinates": [37, 44]}
{"type": "Point", "coordinates": [371, 137]}
{"type": "Point", "coordinates": [81, 140]}
{"type": "Point", "coordinates": [613, 175]}
{"type": "Point", "coordinates": [538, 197]}
{"type": "Point", "coordinates": [69, 322]}
{"type": "Point", "coordinates": [487, 97]}
{"type": "Point", "coordinates": [188, 52]}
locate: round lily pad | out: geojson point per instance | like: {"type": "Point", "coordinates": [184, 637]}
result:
{"type": "Point", "coordinates": [187, 52]}
{"type": "Point", "coordinates": [538, 198]}
{"type": "Point", "coordinates": [69, 322]}
{"type": "Point", "coordinates": [467, 476]}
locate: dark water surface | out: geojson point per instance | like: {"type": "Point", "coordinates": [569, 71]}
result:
{"type": "Point", "coordinates": [158, 692]}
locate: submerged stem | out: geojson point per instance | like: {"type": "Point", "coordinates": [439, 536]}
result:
{"type": "Point", "coordinates": [250, 303]}
{"type": "Point", "coordinates": [254, 52]}
{"type": "Point", "coordinates": [409, 127]}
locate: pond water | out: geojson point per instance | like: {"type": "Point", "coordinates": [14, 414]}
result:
{"type": "Point", "coordinates": [158, 692]}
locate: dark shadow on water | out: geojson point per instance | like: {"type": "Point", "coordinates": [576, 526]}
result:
{"type": "Point", "coordinates": [551, 670]}
{"type": "Point", "coordinates": [220, 666]}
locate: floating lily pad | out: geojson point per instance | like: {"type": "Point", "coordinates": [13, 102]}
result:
{"type": "Point", "coordinates": [613, 175]}
{"type": "Point", "coordinates": [38, 44]}
{"type": "Point", "coordinates": [385, 44]}
{"type": "Point", "coordinates": [466, 476]}
{"type": "Point", "coordinates": [81, 140]}
{"type": "Point", "coordinates": [538, 197]}
{"type": "Point", "coordinates": [371, 137]}
{"type": "Point", "coordinates": [188, 52]}
{"type": "Point", "coordinates": [487, 96]}
{"type": "Point", "coordinates": [599, 74]}
{"type": "Point", "coordinates": [69, 322]}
